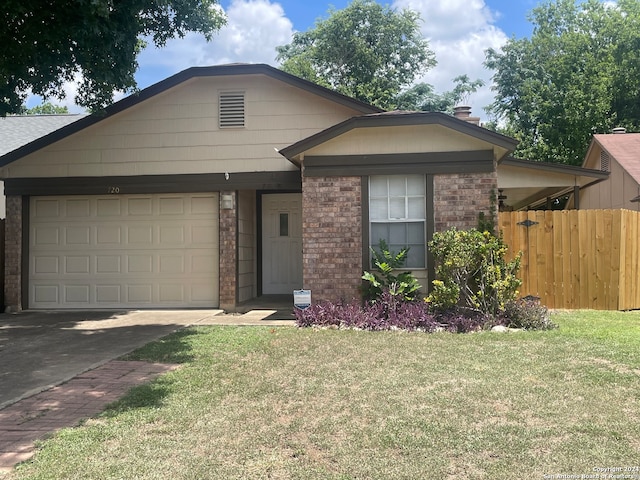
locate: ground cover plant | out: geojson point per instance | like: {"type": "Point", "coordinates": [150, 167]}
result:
{"type": "Point", "coordinates": [292, 403]}
{"type": "Point", "coordinates": [475, 288]}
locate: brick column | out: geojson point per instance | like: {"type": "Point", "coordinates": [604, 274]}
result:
{"type": "Point", "coordinates": [332, 237]}
{"type": "Point", "coordinates": [13, 254]}
{"type": "Point", "coordinates": [228, 252]}
{"type": "Point", "coordinates": [460, 197]}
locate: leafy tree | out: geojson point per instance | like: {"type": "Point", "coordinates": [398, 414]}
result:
{"type": "Point", "coordinates": [367, 51]}
{"type": "Point", "coordinates": [46, 108]}
{"type": "Point", "coordinates": [423, 97]}
{"type": "Point", "coordinates": [45, 44]}
{"type": "Point", "coordinates": [577, 75]}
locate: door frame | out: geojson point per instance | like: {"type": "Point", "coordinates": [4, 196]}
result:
{"type": "Point", "coordinates": [260, 230]}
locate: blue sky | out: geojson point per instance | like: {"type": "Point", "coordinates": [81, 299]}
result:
{"type": "Point", "coordinates": [459, 31]}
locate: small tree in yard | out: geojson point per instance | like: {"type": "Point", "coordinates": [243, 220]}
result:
{"type": "Point", "coordinates": [472, 273]}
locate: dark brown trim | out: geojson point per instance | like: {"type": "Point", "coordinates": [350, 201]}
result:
{"type": "Point", "coordinates": [364, 201]}
{"type": "Point", "coordinates": [178, 78]}
{"type": "Point", "coordinates": [24, 261]}
{"type": "Point", "coordinates": [431, 220]}
{"type": "Point", "coordinates": [259, 242]}
{"type": "Point", "coordinates": [477, 161]}
{"type": "Point", "coordinates": [189, 183]}
{"type": "Point", "coordinates": [554, 167]}
{"type": "Point", "coordinates": [395, 119]}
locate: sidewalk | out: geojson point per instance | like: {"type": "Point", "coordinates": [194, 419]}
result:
{"type": "Point", "coordinates": [85, 395]}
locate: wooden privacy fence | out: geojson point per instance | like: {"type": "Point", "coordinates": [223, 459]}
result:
{"type": "Point", "coordinates": [577, 258]}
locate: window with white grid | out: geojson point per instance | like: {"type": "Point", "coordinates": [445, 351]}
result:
{"type": "Point", "coordinates": [397, 213]}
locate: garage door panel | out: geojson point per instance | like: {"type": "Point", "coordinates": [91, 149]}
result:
{"type": "Point", "coordinates": [171, 206]}
{"type": "Point", "coordinates": [47, 294]}
{"type": "Point", "coordinates": [77, 208]}
{"type": "Point", "coordinates": [46, 265]}
{"type": "Point", "coordinates": [110, 207]}
{"type": "Point", "coordinates": [109, 294]}
{"type": "Point", "coordinates": [46, 235]}
{"type": "Point", "coordinates": [77, 235]}
{"type": "Point", "coordinates": [74, 264]}
{"type": "Point", "coordinates": [47, 209]}
{"type": "Point", "coordinates": [127, 251]}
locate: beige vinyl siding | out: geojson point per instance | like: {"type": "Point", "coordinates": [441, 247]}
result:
{"type": "Point", "coordinates": [401, 139]}
{"type": "Point", "coordinates": [247, 266]}
{"type": "Point", "coordinates": [177, 132]}
{"type": "Point", "coordinates": [615, 192]}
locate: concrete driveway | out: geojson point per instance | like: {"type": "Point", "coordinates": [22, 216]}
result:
{"type": "Point", "coordinates": [40, 349]}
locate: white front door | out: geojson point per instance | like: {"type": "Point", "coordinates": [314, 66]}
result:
{"type": "Point", "coordinates": [281, 243]}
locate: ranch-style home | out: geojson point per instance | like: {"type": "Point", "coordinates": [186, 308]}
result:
{"type": "Point", "coordinates": [222, 184]}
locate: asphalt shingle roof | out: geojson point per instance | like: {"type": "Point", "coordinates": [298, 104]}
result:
{"type": "Point", "coordinates": [625, 148]}
{"type": "Point", "coordinates": [18, 130]}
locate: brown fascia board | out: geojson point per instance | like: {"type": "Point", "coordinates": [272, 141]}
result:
{"type": "Point", "coordinates": [174, 80]}
{"type": "Point", "coordinates": [556, 167]}
{"type": "Point", "coordinates": [391, 119]}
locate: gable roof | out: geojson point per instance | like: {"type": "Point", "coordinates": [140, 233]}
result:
{"type": "Point", "coordinates": [170, 82]}
{"type": "Point", "coordinates": [19, 130]}
{"type": "Point", "coordinates": [394, 119]}
{"type": "Point", "coordinates": [624, 148]}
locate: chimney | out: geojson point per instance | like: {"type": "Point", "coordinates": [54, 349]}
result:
{"type": "Point", "coordinates": [463, 112]}
{"type": "Point", "coordinates": [619, 130]}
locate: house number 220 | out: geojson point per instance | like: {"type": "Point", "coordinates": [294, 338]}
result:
{"type": "Point", "coordinates": [113, 189]}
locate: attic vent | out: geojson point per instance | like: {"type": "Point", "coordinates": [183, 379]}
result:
{"type": "Point", "coordinates": [231, 109]}
{"type": "Point", "coordinates": [604, 161]}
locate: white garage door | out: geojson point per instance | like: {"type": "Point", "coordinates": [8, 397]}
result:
{"type": "Point", "coordinates": [124, 251]}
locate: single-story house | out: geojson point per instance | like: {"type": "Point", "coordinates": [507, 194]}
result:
{"type": "Point", "coordinates": [226, 183]}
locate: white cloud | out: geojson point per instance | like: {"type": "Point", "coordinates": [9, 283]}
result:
{"type": "Point", "coordinates": [459, 32]}
{"type": "Point", "coordinates": [254, 28]}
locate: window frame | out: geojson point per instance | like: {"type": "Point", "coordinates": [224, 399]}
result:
{"type": "Point", "coordinates": [406, 219]}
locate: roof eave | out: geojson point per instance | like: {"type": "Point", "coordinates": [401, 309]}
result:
{"type": "Point", "coordinates": [556, 168]}
{"type": "Point", "coordinates": [391, 120]}
{"type": "Point", "coordinates": [174, 80]}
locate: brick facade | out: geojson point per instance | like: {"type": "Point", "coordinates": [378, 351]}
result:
{"type": "Point", "coordinates": [13, 254]}
{"type": "Point", "coordinates": [332, 237]}
{"type": "Point", "coordinates": [228, 249]}
{"type": "Point", "coordinates": [460, 197]}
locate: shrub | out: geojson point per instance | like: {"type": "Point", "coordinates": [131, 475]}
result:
{"type": "Point", "coordinates": [388, 312]}
{"type": "Point", "coordinates": [472, 273]}
{"type": "Point", "coordinates": [386, 263]}
{"type": "Point", "coordinates": [527, 314]}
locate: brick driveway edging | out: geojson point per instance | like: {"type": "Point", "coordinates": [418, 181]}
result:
{"type": "Point", "coordinates": [85, 395]}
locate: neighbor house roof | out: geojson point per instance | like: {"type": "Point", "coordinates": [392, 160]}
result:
{"type": "Point", "coordinates": [19, 130]}
{"type": "Point", "coordinates": [624, 148]}
{"type": "Point", "coordinates": [178, 78]}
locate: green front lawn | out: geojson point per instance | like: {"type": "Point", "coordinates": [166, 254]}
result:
{"type": "Point", "coordinates": [280, 403]}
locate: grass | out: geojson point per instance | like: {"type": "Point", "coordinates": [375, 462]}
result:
{"type": "Point", "coordinates": [286, 403]}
